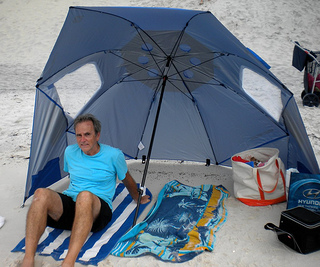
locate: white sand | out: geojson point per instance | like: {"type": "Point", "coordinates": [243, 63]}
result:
{"type": "Point", "coordinates": [28, 32]}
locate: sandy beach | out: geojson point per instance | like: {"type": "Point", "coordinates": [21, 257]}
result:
{"type": "Point", "coordinates": [28, 31]}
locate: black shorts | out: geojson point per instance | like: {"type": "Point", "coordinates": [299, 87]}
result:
{"type": "Point", "coordinates": [66, 220]}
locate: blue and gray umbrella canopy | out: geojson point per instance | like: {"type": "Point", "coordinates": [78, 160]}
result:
{"type": "Point", "coordinates": [186, 59]}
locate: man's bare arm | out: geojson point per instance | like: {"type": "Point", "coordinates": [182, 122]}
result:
{"type": "Point", "coordinates": [131, 185]}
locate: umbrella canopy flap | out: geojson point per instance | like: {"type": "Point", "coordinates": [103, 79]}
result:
{"type": "Point", "coordinates": [185, 60]}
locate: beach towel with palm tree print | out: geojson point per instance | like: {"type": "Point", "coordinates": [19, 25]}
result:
{"type": "Point", "coordinates": [181, 224]}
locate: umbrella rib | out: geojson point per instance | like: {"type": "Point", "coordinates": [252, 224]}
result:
{"type": "Point", "coordinates": [151, 54]}
{"type": "Point", "coordinates": [195, 82]}
{"type": "Point", "coordinates": [131, 62]}
{"type": "Point", "coordinates": [195, 66]}
{"type": "Point", "coordinates": [174, 51]}
{"type": "Point", "coordinates": [193, 99]}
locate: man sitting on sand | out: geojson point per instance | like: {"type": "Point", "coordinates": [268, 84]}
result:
{"type": "Point", "coordinates": [87, 203]}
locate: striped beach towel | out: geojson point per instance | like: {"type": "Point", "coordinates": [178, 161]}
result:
{"type": "Point", "coordinates": [181, 224]}
{"type": "Point", "coordinates": [55, 242]}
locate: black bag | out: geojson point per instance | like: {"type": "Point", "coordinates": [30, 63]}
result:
{"type": "Point", "coordinates": [299, 58]}
{"type": "Point", "coordinates": [299, 229]}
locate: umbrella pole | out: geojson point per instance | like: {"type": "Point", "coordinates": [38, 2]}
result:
{"type": "Point", "coordinates": [165, 78]}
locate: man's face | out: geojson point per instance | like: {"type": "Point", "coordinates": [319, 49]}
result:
{"type": "Point", "coordinates": [87, 139]}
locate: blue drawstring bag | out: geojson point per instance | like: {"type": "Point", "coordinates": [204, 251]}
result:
{"type": "Point", "coordinates": [304, 191]}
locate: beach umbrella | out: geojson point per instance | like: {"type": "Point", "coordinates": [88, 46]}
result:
{"type": "Point", "coordinates": [175, 84]}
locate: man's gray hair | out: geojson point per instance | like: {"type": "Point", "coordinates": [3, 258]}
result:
{"type": "Point", "coordinates": [88, 117]}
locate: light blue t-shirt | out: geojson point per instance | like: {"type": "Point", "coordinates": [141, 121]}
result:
{"type": "Point", "coordinates": [96, 174]}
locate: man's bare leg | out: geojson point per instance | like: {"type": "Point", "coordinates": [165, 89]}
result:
{"type": "Point", "coordinates": [45, 201]}
{"type": "Point", "coordinates": [87, 210]}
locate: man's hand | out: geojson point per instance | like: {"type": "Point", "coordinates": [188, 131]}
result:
{"type": "Point", "coordinates": [131, 185]}
{"type": "Point", "coordinates": [145, 199]}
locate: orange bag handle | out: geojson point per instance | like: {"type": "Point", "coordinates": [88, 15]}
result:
{"type": "Point", "coordinates": [260, 184]}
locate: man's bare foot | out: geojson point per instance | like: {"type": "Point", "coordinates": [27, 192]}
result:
{"type": "Point", "coordinates": [27, 262]}
{"type": "Point", "coordinates": [64, 264]}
